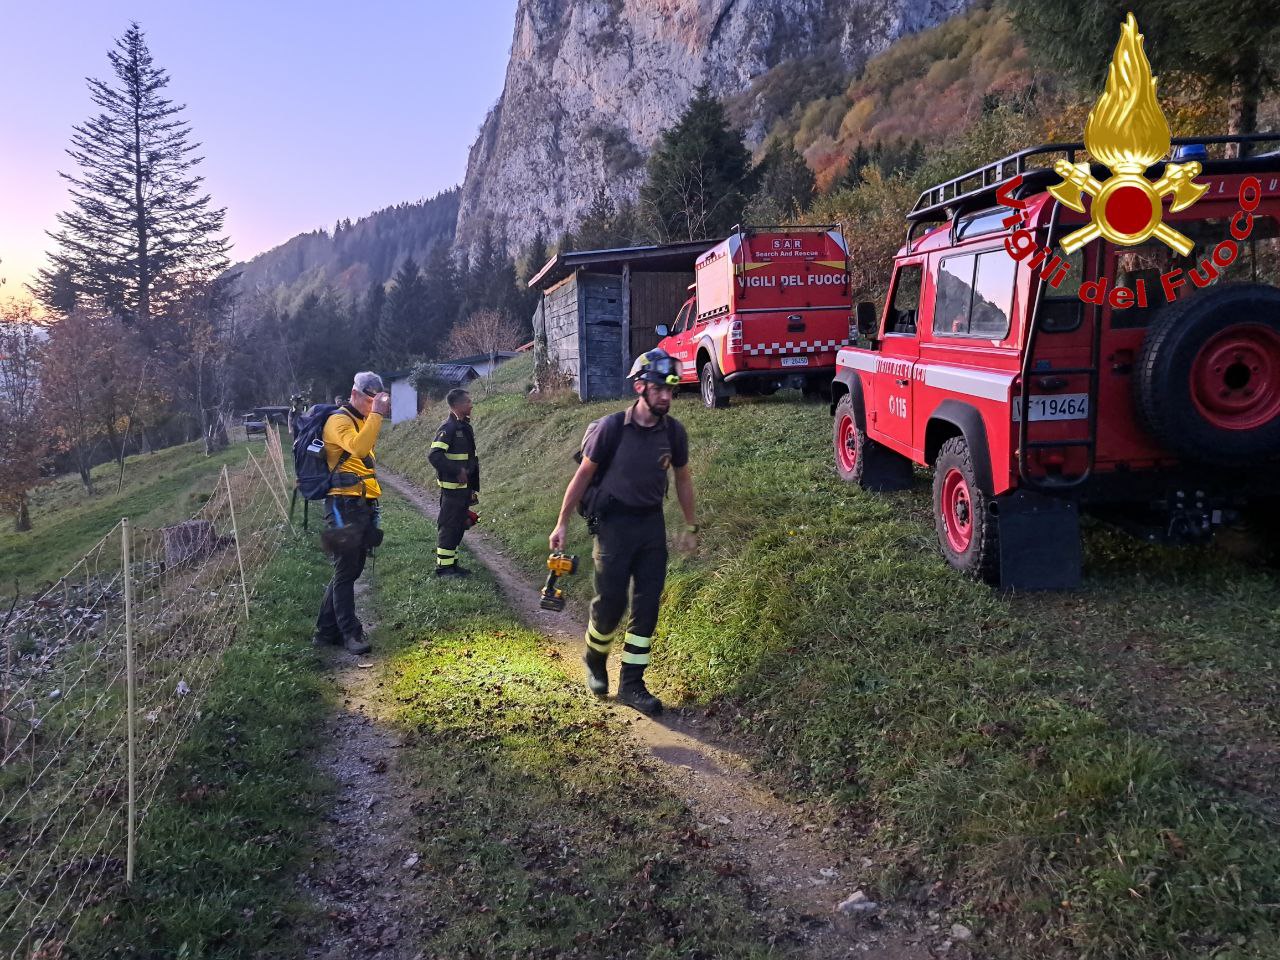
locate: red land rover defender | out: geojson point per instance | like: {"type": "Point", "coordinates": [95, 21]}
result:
{"type": "Point", "coordinates": [1142, 386]}
{"type": "Point", "coordinates": [770, 309]}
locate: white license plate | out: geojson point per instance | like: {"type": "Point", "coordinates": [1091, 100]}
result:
{"type": "Point", "coordinates": [1061, 406]}
{"type": "Point", "coordinates": [795, 361]}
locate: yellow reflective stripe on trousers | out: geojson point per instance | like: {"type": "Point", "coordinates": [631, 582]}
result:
{"type": "Point", "coordinates": [440, 444]}
{"type": "Point", "coordinates": [644, 643]}
{"type": "Point", "coordinates": [598, 641]}
{"type": "Point", "coordinates": [442, 552]}
{"type": "Point", "coordinates": [447, 485]}
{"type": "Point", "coordinates": [458, 456]}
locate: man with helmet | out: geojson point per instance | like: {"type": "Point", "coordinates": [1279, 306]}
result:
{"type": "Point", "coordinates": [623, 478]}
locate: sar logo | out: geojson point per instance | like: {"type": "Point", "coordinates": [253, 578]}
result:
{"type": "Point", "coordinates": [1127, 132]}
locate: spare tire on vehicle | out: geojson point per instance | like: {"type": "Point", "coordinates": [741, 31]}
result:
{"type": "Point", "coordinates": [1207, 379]}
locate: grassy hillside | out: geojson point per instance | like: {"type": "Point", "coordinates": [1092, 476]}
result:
{"type": "Point", "coordinates": [1095, 771]}
{"type": "Point", "coordinates": [158, 488]}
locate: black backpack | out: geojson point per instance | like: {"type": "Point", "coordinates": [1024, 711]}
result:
{"type": "Point", "coordinates": [314, 478]}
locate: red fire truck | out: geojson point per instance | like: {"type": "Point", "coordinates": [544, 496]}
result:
{"type": "Point", "coordinates": [1143, 387]}
{"type": "Point", "coordinates": [770, 308]}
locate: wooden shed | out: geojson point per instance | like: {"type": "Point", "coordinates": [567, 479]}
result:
{"type": "Point", "coordinates": [599, 308]}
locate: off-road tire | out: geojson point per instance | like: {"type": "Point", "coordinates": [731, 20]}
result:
{"type": "Point", "coordinates": [861, 460]}
{"type": "Point", "coordinates": [711, 386]}
{"type": "Point", "coordinates": [1207, 380]}
{"type": "Point", "coordinates": [849, 442]}
{"type": "Point", "coordinates": [968, 532]}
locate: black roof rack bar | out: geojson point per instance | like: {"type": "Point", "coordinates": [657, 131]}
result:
{"type": "Point", "coordinates": [936, 203]}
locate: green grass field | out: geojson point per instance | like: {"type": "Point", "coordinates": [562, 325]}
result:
{"type": "Point", "coordinates": [540, 832]}
{"type": "Point", "coordinates": [159, 488]}
{"type": "Point", "coordinates": [1095, 772]}
{"type": "Point", "coordinates": [233, 819]}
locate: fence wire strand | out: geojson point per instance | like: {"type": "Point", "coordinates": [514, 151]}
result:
{"type": "Point", "coordinates": [64, 779]}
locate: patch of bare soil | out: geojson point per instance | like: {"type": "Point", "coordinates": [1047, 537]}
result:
{"type": "Point", "coordinates": [802, 862]}
{"type": "Point", "coordinates": [366, 881]}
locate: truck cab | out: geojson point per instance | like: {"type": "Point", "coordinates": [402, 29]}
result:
{"type": "Point", "coordinates": [768, 309]}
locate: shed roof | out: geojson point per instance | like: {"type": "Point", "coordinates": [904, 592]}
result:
{"type": "Point", "coordinates": [657, 258]}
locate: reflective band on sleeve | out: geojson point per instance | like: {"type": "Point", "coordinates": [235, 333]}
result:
{"type": "Point", "coordinates": [441, 444]}
{"type": "Point", "coordinates": [447, 485]}
{"type": "Point", "coordinates": [641, 659]}
{"type": "Point", "coordinates": [458, 456]}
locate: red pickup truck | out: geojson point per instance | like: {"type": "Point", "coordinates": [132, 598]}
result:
{"type": "Point", "coordinates": [770, 308]}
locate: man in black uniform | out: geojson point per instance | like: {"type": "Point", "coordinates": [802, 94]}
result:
{"type": "Point", "coordinates": [623, 476]}
{"type": "Point", "coordinates": [453, 454]}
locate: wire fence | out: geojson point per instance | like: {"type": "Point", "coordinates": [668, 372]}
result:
{"type": "Point", "coordinates": [101, 677]}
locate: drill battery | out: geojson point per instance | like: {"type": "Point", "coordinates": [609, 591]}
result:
{"type": "Point", "coordinates": [560, 565]}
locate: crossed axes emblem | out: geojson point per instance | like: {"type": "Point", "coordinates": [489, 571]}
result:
{"type": "Point", "coordinates": [1126, 206]}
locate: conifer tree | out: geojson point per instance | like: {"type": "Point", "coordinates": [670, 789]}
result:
{"type": "Point", "coordinates": [699, 176]}
{"type": "Point", "coordinates": [1233, 45]}
{"type": "Point", "coordinates": [140, 225]}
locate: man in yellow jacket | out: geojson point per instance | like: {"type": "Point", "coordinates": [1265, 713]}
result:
{"type": "Point", "coordinates": [351, 507]}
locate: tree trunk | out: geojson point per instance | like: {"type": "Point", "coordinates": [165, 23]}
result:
{"type": "Point", "coordinates": [1242, 107]}
{"type": "Point", "coordinates": [22, 519]}
{"type": "Point", "coordinates": [86, 478]}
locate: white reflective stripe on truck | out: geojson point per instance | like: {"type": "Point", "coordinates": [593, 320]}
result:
{"type": "Point", "coordinates": [984, 384]}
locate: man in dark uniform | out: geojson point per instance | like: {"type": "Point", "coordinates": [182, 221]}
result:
{"type": "Point", "coordinates": [623, 474]}
{"type": "Point", "coordinates": [453, 454]}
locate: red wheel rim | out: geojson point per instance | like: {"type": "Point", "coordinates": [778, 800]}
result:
{"type": "Point", "coordinates": [1235, 379]}
{"type": "Point", "coordinates": [957, 511]}
{"type": "Point", "coordinates": [847, 446]}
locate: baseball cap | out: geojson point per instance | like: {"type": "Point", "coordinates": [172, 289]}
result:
{"type": "Point", "coordinates": [368, 383]}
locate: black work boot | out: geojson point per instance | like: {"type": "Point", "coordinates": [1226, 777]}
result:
{"type": "Point", "coordinates": [357, 645]}
{"type": "Point", "coordinates": [597, 671]}
{"type": "Point", "coordinates": [633, 692]}
{"type": "Point", "coordinates": [321, 639]}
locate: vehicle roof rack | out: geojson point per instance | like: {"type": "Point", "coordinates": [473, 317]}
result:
{"type": "Point", "coordinates": [977, 188]}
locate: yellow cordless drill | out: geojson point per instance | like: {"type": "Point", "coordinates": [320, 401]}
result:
{"type": "Point", "coordinates": [560, 565]}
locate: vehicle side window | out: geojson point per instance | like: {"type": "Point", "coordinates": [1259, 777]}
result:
{"type": "Point", "coordinates": [951, 300]}
{"type": "Point", "coordinates": [682, 321]}
{"type": "Point", "coordinates": [905, 306]}
{"type": "Point", "coordinates": [975, 296]}
{"type": "Point", "coordinates": [992, 296]}
{"type": "Point", "coordinates": [1060, 309]}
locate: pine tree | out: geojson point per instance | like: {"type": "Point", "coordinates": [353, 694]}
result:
{"type": "Point", "coordinates": [139, 225]}
{"type": "Point", "coordinates": [534, 258]}
{"type": "Point", "coordinates": [1232, 44]}
{"type": "Point", "coordinates": [786, 183]}
{"type": "Point", "coordinates": [699, 176]}
{"type": "Point", "coordinates": [405, 330]}
{"type": "Point", "coordinates": [440, 290]}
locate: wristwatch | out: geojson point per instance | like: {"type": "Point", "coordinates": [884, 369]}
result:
{"type": "Point", "coordinates": [690, 528]}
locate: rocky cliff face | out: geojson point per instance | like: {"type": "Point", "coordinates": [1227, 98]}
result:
{"type": "Point", "coordinates": [592, 83]}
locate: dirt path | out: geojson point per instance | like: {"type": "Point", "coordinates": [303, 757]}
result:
{"type": "Point", "coordinates": [797, 859]}
{"type": "Point", "coordinates": [366, 882]}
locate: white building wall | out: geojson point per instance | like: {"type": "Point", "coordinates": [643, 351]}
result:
{"type": "Point", "coordinates": [404, 401]}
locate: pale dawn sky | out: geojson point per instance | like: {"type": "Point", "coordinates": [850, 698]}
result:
{"type": "Point", "coordinates": [307, 112]}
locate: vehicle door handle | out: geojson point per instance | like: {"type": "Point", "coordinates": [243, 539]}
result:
{"type": "Point", "coordinates": [902, 383]}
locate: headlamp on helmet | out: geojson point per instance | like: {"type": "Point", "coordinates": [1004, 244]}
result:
{"type": "Point", "coordinates": [655, 366]}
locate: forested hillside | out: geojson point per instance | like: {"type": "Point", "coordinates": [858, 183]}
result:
{"type": "Point", "coordinates": [351, 256]}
